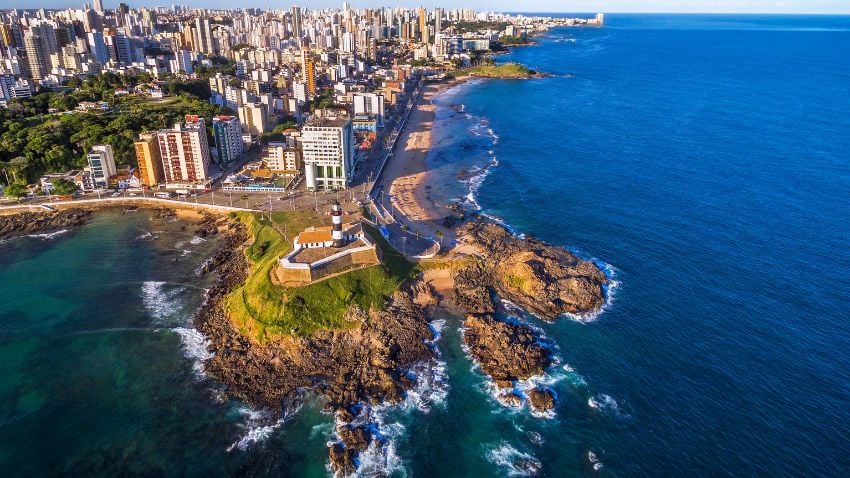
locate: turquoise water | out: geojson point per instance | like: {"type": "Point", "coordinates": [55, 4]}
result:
{"type": "Point", "coordinates": [703, 158]}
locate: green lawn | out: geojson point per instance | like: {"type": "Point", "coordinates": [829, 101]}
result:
{"type": "Point", "coordinates": [263, 310]}
{"type": "Point", "coordinates": [505, 70]}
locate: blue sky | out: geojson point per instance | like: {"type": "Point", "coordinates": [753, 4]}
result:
{"type": "Point", "coordinates": [684, 6]}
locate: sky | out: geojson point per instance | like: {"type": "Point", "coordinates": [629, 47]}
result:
{"type": "Point", "coordinates": [609, 6]}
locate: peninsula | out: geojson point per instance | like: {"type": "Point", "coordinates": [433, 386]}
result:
{"type": "Point", "coordinates": [310, 168]}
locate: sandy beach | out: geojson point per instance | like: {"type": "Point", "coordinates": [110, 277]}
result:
{"type": "Point", "coordinates": [406, 173]}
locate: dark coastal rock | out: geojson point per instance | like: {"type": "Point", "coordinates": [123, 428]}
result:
{"type": "Point", "coordinates": [506, 351]}
{"type": "Point", "coordinates": [343, 460]}
{"type": "Point", "coordinates": [164, 213]}
{"type": "Point", "coordinates": [529, 466]}
{"type": "Point", "coordinates": [545, 280]}
{"type": "Point", "coordinates": [26, 223]}
{"type": "Point", "coordinates": [541, 399]}
{"type": "Point", "coordinates": [207, 226]}
{"type": "Point", "coordinates": [511, 399]}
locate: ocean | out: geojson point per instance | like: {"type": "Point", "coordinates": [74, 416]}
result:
{"type": "Point", "coordinates": [702, 159]}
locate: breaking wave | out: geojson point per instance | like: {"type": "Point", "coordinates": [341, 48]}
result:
{"type": "Point", "coordinates": [160, 301]}
{"type": "Point", "coordinates": [195, 346]}
{"type": "Point", "coordinates": [258, 425]}
{"type": "Point", "coordinates": [49, 235]}
{"type": "Point", "coordinates": [513, 461]}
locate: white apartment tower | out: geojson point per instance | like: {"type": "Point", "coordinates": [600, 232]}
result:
{"type": "Point", "coordinates": [101, 165]}
{"type": "Point", "coordinates": [328, 152]}
{"type": "Point", "coordinates": [369, 104]}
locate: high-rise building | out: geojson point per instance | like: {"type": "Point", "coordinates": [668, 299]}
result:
{"type": "Point", "coordinates": [228, 139]}
{"type": "Point", "coordinates": [185, 152]}
{"type": "Point", "coordinates": [296, 23]}
{"type": "Point", "coordinates": [281, 157]}
{"type": "Point", "coordinates": [98, 6]}
{"type": "Point", "coordinates": [328, 152]}
{"type": "Point", "coordinates": [423, 25]}
{"type": "Point", "coordinates": [370, 104]}
{"type": "Point", "coordinates": [253, 117]}
{"type": "Point", "coordinates": [308, 72]}
{"type": "Point", "coordinates": [148, 159]}
{"type": "Point", "coordinates": [38, 56]}
{"type": "Point", "coordinates": [101, 165]}
{"type": "Point", "coordinates": [97, 47]}
{"type": "Point", "coordinates": [204, 33]}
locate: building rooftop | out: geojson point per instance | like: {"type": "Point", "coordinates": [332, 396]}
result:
{"type": "Point", "coordinates": [327, 121]}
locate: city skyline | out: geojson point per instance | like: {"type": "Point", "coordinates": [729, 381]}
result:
{"type": "Point", "coordinates": [535, 6]}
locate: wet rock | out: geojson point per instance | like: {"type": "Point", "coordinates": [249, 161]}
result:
{"type": "Point", "coordinates": [506, 351]}
{"type": "Point", "coordinates": [511, 399]}
{"type": "Point", "coordinates": [529, 466]}
{"type": "Point", "coordinates": [541, 399]}
{"type": "Point", "coordinates": [343, 460]}
{"type": "Point", "coordinates": [26, 223]}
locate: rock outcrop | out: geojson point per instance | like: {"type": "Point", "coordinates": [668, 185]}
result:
{"type": "Point", "coordinates": [541, 399]}
{"type": "Point", "coordinates": [545, 280]}
{"type": "Point", "coordinates": [506, 351]}
{"type": "Point", "coordinates": [27, 223]}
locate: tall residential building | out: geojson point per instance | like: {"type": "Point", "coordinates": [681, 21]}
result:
{"type": "Point", "coordinates": [38, 55]}
{"type": "Point", "coordinates": [328, 152]}
{"type": "Point", "coordinates": [101, 165]}
{"type": "Point", "coordinates": [98, 6]}
{"type": "Point", "coordinates": [370, 104]}
{"type": "Point", "coordinates": [296, 23]}
{"type": "Point", "coordinates": [203, 29]}
{"type": "Point", "coordinates": [228, 139]}
{"type": "Point", "coordinates": [185, 152]}
{"type": "Point", "coordinates": [281, 157]}
{"type": "Point", "coordinates": [423, 25]}
{"type": "Point", "coordinates": [308, 72]}
{"type": "Point", "coordinates": [97, 47]}
{"type": "Point", "coordinates": [253, 117]}
{"type": "Point", "coordinates": [148, 158]}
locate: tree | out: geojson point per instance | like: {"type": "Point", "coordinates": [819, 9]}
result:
{"type": "Point", "coordinates": [15, 191]}
{"type": "Point", "coordinates": [63, 187]}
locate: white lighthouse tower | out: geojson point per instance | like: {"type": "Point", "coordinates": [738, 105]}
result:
{"type": "Point", "coordinates": [336, 216]}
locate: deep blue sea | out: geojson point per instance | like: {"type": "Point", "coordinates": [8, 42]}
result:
{"type": "Point", "coordinates": [705, 159]}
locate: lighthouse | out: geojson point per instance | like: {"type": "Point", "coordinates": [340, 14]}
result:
{"type": "Point", "coordinates": [336, 216]}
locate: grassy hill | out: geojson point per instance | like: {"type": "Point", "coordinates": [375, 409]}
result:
{"type": "Point", "coordinates": [505, 70]}
{"type": "Point", "coordinates": [263, 310]}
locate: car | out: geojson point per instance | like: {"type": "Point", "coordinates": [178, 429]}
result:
{"type": "Point", "coordinates": [116, 194]}
{"type": "Point", "coordinates": [133, 194]}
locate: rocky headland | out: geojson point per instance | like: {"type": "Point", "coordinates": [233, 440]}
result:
{"type": "Point", "coordinates": [367, 364]}
{"type": "Point", "coordinates": [543, 280]}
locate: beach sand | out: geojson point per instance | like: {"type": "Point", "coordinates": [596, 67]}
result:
{"type": "Point", "coordinates": [406, 173]}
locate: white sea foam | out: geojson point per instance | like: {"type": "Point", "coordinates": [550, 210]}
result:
{"type": "Point", "coordinates": [48, 235]}
{"type": "Point", "coordinates": [195, 346]}
{"type": "Point", "coordinates": [574, 378]}
{"type": "Point", "coordinates": [161, 302]}
{"type": "Point", "coordinates": [258, 425]}
{"type": "Point", "coordinates": [604, 403]}
{"type": "Point", "coordinates": [594, 461]}
{"type": "Point", "coordinates": [513, 461]}
{"type": "Point", "coordinates": [196, 240]}
{"type": "Point", "coordinates": [146, 235]}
